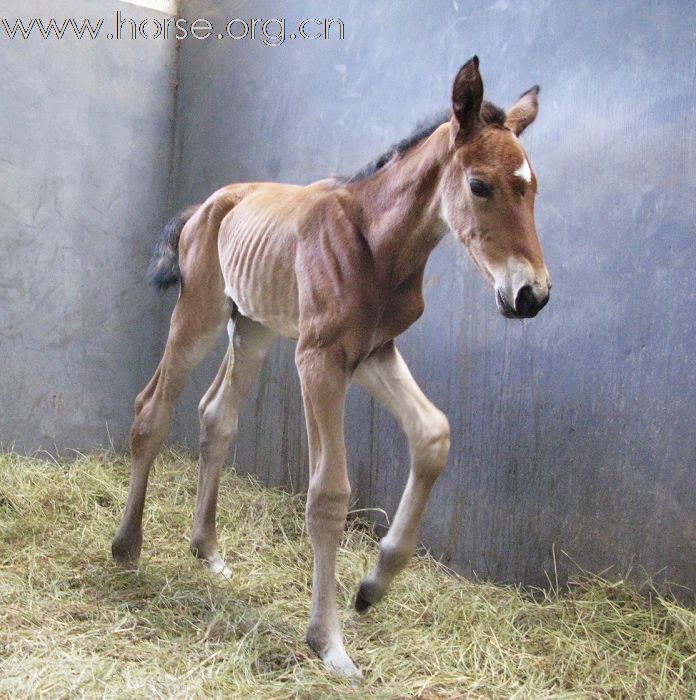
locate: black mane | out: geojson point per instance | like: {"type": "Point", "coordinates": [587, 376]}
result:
{"type": "Point", "coordinates": [489, 113]}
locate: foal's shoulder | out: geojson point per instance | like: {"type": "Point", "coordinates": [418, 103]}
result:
{"type": "Point", "coordinates": [329, 210]}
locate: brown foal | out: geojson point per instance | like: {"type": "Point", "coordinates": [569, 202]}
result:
{"type": "Point", "coordinates": [338, 265]}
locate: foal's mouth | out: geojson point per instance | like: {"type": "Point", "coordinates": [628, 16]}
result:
{"type": "Point", "coordinates": [504, 306]}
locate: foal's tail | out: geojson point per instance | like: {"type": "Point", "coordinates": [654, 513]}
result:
{"type": "Point", "coordinates": [163, 270]}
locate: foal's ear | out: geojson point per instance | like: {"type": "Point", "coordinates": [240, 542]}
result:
{"type": "Point", "coordinates": [524, 111]}
{"type": "Point", "coordinates": [467, 96]}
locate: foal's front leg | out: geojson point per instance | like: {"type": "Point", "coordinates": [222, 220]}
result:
{"type": "Point", "coordinates": [386, 376]}
{"type": "Point", "coordinates": [324, 385]}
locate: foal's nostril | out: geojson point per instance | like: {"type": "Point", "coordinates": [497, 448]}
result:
{"type": "Point", "coordinates": [526, 303]}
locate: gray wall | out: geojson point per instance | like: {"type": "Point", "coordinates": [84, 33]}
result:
{"type": "Point", "coordinates": [572, 432]}
{"type": "Point", "coordinates": [86, 137]}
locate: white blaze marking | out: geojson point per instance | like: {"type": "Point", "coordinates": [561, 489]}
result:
{"type": "Point", "coordinates": [524, 171]}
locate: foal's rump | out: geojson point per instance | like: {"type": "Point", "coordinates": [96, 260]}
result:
{"type": "Point", "coordinates": [186, 250]}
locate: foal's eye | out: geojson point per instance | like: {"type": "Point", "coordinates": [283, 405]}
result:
{"type": "Point", "coordinates": [480, 189]}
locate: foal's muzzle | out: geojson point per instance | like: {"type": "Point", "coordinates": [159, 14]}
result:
{"type": "Point", "coordinates": [527, 304]}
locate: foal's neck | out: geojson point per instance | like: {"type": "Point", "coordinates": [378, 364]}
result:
{"type": "Point", "coordinates": [402, 219]}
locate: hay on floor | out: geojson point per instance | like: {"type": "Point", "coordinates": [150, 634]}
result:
{"type": "Point", "coordinates": [73, 624]}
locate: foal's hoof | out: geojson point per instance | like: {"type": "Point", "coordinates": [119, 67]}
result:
{"type": "Point", "coordinates": [333, 656]}
{"type": "Point", "coordinates": [366, 596]}
{"type": "Point", "coordinates": [362, 604]}
{"type": "Point", "coordinates": [337, 661]}
{"type": "Point", "coordinates": [211, 560]}
{"type": "Point", "coordinates": [126, 550]}
{"type": "Point", "coordinates": [216, 565]}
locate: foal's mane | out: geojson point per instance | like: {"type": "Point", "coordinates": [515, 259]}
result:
{"type": "Point", "coordinates": [490, 114]}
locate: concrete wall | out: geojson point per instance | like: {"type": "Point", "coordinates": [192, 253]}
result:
{"type": "Point", "coordinates": [86, 136]}
{"type": "Point", "coordinates": [572, 432]}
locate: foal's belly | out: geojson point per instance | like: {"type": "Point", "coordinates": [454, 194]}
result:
{"type": "Point", "coordinates": [258, 266]}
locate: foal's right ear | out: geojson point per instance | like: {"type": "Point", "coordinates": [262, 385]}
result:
{"type": "Point", "coordinates": [524, 111]}
{"type": "Point", "coordinates": [467, 96]}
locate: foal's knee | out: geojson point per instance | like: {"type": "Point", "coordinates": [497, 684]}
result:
{"type": "Point", "coordinates": [431, 445]}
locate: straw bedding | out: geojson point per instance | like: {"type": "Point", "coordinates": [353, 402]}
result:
{"type": "Point", "coordinates": [72, 624]}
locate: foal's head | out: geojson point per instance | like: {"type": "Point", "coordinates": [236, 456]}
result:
{"type": "Point", "coordinates": [488, 194]}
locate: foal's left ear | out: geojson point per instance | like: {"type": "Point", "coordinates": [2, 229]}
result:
{"type": "Point", "coordinates": [467, 96]}
{"type": "Point", "coordinates": [524, 111]}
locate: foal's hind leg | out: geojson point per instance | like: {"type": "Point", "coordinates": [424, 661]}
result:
{"type": "Point", "coordinates": [219, 412]}
{"type": "Point", "coordinates": [386, 376]}
{"type": "Point", "coordinates": [195, 325]}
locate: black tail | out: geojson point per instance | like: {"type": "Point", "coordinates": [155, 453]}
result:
{"type": "Point", "coordinates": [163, 270]}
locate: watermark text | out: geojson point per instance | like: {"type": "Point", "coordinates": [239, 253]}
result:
{"type": "Point", "coordinates": [270, 32]}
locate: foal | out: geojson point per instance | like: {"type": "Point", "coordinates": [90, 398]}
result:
{"type": "Point", "coordinates": [339, 267]}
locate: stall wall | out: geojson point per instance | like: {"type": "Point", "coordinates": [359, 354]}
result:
{"type": "Point", "coordinates": [572, 433]}
{"type": "Point", "coordinates": [86, 139]}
